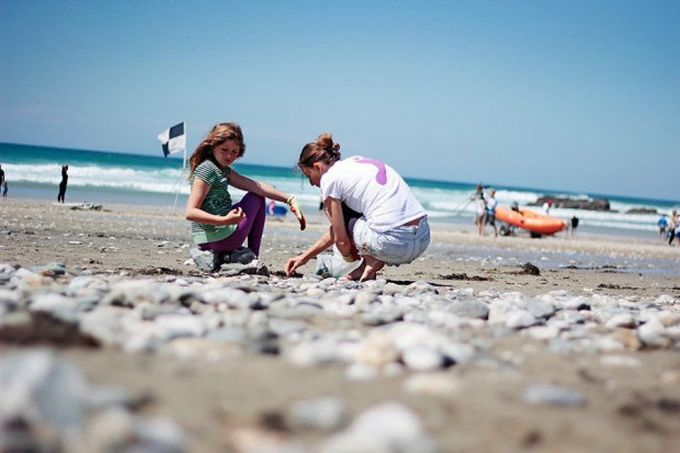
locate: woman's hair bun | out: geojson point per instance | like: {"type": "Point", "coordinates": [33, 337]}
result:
{"type": "Point", "coordinates": [325, 141]}
{"type": "Point", "coordinates": [321, 150]}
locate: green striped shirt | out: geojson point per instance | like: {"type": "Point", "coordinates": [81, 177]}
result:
{"type": "Point", "coordinates": [216, 202]}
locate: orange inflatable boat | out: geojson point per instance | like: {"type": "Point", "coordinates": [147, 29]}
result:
{"type": "Point", "coordinates": [537, 224]}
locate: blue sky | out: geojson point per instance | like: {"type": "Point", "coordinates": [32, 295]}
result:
{"type": "Point", "coordinates": [571, 95]}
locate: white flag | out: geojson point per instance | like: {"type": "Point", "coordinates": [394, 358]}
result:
{"type": "Point", "coordinates": [173, 139]}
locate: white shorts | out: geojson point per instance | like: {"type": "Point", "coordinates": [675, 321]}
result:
{"type": "Point", "coordinates": [400, 245]}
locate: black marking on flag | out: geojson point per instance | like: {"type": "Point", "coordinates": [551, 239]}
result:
{"type": "Point", "coordinates": [176, 130]}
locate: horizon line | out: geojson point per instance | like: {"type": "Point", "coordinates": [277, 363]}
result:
{"type": "Point", "coordinates": [418, 178]}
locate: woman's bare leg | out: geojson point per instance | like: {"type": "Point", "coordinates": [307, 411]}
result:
{"type": "Point", "coordinates": [356, 273]}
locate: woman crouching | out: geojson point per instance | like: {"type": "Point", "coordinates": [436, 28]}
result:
{"type": "Point", "coordinates": [372, 211]}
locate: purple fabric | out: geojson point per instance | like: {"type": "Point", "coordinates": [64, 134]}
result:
{"type": "Point", "coordinates": [251, 227]}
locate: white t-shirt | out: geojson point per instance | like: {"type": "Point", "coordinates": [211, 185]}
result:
{"type": "Point", "coordinates": [491, 204]}
{"type": "Point", "coordinates": [374, 189]}
{"type": "Point", "coordinates": [546, 208]}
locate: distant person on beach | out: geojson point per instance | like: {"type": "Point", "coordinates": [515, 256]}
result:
{"type": "Point", "coordinates": [574, 224]}
{"type": "Point", "coordinates": [62, 184]}
{"type": "Point", "coordinates": [490, 214]}
{"type": "Point", "coordinates": [674, 229]}
{"type": "Point", "coordinates": [480, 209]}
{"type": "Point", "coordinates": [663, 225]}
{"type": "Point", "coordinates": [546, 207]}
{"type": "Point", "coordinates": [276, 212]}
{"type": "Point", "coordinates": [217, 225]}
{"type": "Point", "coordinates": [3, 182]}
{"type": "Point", "coordinates": [672, 225]}
{"type": "Point", "coordinates": [372, 211]}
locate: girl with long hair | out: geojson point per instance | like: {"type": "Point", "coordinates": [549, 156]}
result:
{"type": "Point", "coordinates": [217, 225]}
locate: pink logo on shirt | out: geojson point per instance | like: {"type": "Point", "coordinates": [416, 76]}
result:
{"type": "Point", "coordinates": [381, 177]}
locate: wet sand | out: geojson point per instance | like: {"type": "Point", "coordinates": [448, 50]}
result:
{"type": "Point", "coordinates": [628, 408]}
{"type": "Point", "coordinates": [152, 240]}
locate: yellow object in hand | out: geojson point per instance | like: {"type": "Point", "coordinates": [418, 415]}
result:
{"type": "Point", "coordinates": [297, 210]}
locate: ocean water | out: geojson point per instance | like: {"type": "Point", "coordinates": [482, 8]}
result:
{"type": "Point", "coordinates": [101, 177]}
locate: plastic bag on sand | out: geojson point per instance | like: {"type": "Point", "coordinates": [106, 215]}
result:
{"type": "Point", "coordinates": [334, 265]}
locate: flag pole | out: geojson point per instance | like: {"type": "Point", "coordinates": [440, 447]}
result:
{"type": "Point", "coordinates": [170, 147]}
{"type": "Point", "coordinates": [184, 160]}
{"type": "Point", "coordinates": [184, 164]}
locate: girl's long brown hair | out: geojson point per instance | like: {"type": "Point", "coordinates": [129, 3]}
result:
{"type": "Point", "coordinates": [219, 134]}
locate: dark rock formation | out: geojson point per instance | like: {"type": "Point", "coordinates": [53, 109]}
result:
{"type": "Point", "coordinates": [642, 211]}
{"type": "Point", "coordinates": [601, 204]}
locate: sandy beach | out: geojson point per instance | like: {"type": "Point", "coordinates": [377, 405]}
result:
{"type": "Point", "coordinates": [485, 355]}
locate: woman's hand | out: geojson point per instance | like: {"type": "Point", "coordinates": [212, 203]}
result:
{"type": "Point", "coordinates": [234, 216]}
{"type": "Point", "coordinates": [294, 263]}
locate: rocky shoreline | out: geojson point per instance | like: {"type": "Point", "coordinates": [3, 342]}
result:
{"type": "Point", "coordinates": [600, 204]}
{"type": "Point", "coordinates": [459, 358]}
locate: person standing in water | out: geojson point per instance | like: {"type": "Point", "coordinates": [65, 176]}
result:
{"type": "Point", "coordinates": [62, 184]}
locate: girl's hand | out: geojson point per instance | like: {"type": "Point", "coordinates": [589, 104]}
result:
{"type": "Point", "coordinates": [234, 216]}
{"type": "Point", "coordinates": [297, 210]}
